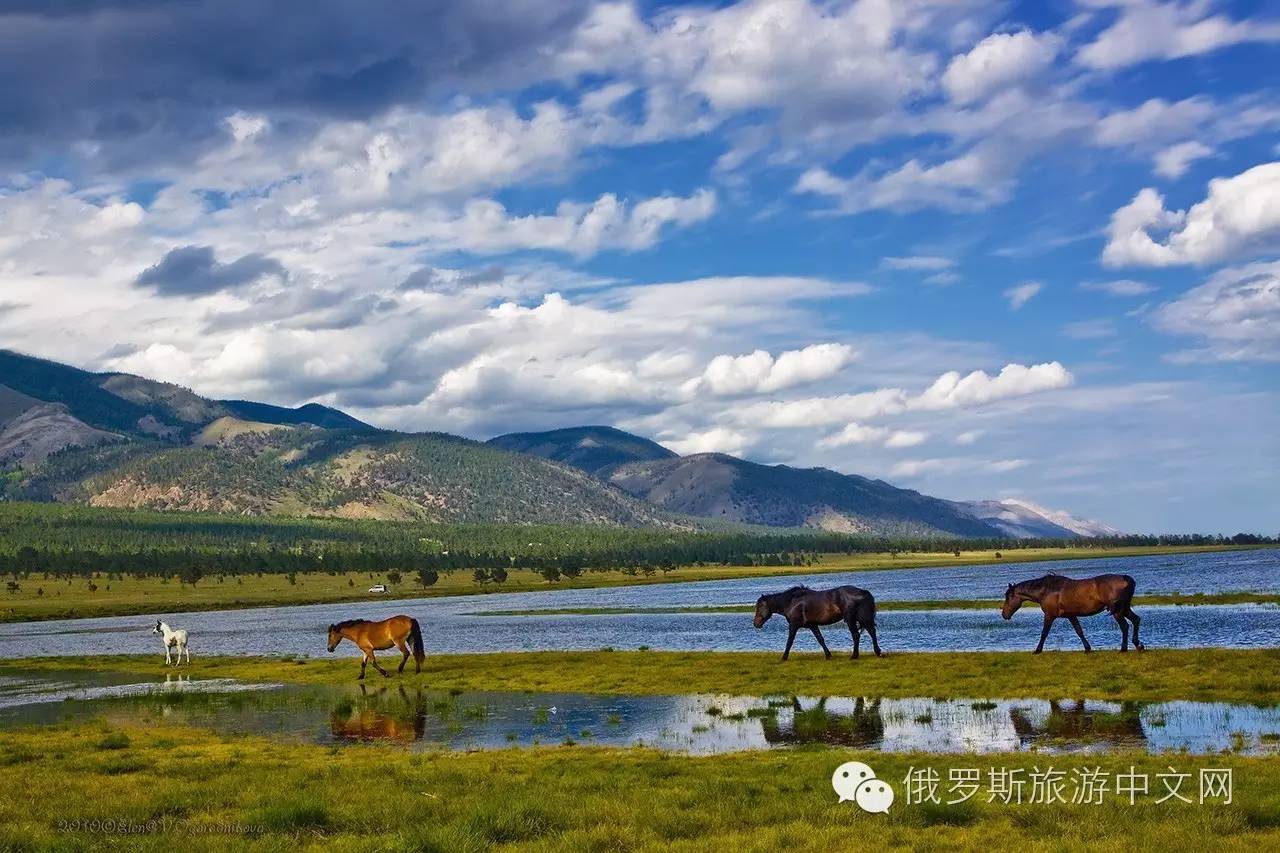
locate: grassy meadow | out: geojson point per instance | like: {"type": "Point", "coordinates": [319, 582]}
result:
{"type": "Point", "coordinates": [38, 598]}
{"type": "Point", "coordinates": [190, 789]}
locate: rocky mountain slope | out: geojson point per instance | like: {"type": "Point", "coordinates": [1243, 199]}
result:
{"type": "Point", "coordinates": [126, 441]}
{"type": "Point", "coordinates": [113, 439]}
{"type": "Point", "coordinates": [714, 485]}
{"type": "Point", "coordinates": [595, 449]}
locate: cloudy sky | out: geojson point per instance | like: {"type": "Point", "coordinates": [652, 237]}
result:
{"type": "Point", "coordinates": [979, 249]}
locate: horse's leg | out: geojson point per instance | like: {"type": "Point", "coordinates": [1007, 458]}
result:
{"type": "Point", "coordinates": [364, 660]}
{"type": "Point", "coordinates": [826, 651]}
{"type": "Point", "coordinates": [404, 650]}
{"type": "Point", "coordinates": [167, 660]}
{"type": "Point", "coordinates": [1133, 617]}
{"type": "Point", "coordinates": [875, 642]}
{"type": "Point", "coordinates": [374, 661]}
{"type": "Point", "coordinates": [1048, 623]}
{"type": "Point", "coordinates": [791, 638]}
{"type": "Point", "coordinates": [856, 633]}
{"type": "Point", "coordinates": [1075, 623]}
{"type": "Point", "coordinates": [1124, 630]}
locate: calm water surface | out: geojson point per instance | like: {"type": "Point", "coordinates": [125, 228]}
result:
{"type": "Point", "coordinates": [427, 719]}
{"type": "Point", "coordinates": [450, 626]}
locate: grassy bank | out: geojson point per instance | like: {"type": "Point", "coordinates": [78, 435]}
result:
{"type": "Point", "coordinates": [1236, 675]}
{"type": "Point", "coordinates": [40, 598]}
{"type": "Point", "coordinates": [191, 789]}
{"type": "Point", "coordinates": [1176, 599]}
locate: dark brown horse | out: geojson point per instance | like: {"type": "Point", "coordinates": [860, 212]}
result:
{"type": "Point", "coordinates": [369, 636]}
{"type": "Point", "coordinates": [1069, 598]}
{"type": "Point", "coordinates": [808, 608]}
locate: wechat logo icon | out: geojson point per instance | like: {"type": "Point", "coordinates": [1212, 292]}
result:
{"type": "Point", "coordinates": [856, 781]}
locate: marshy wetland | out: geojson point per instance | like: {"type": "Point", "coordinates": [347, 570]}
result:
{"type": "Point", "coordinates": [597, 725]}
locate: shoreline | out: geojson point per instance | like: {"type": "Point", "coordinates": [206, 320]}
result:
{"type": "Point", "coordinates": [150, 594]}
{"type": "Point", "coordinates": [1199, 599]}
{"type": "Point", "coordinates": [1206, 674]}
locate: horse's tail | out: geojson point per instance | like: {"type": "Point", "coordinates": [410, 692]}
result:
{"type": "Point", "coordinates": [1129, 586]}
{"type": "Point", "coordinates": [866, 611]}
{"type": "Point", "coordinates": [415, 637]}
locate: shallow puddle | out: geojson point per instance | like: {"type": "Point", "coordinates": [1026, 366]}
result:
{"type": "Point", "coordinates": [18, 691]}
{"type": "Point", "coordinates": [429, 719]}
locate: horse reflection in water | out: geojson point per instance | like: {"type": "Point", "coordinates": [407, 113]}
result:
{"type": "Point", "coordinates": [863, 726]}
{"type": "Point", "coordinates": [373, 719]}
{"type": "Point", "coordinates": [1078, 724]}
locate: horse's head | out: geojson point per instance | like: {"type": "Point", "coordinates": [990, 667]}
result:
{"type": "Point", "coordinates": [335, 637]}
{"type": "Point", "coordinates": [159, 628]}
{"type": "Point", "coordinates": [762, 612]}
{"type": "Point", "coordinates": [1012, 601]}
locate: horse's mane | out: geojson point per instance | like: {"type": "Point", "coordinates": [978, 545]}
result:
{"type": "Point", "coordinates": [1038, 584]}
{"type": "Point", "coordinates": [786, 595]}
{"type": "Point", "coordinates": [347, 623]}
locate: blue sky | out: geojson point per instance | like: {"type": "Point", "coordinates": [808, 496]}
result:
{"type": "Point", "coordinates": [981, 250]}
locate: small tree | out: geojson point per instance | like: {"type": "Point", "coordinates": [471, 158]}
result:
{"type": "Point", "coordinates": [395, 577]}
{"type": "Point", "coordinates": [190, 574]}
{"type": "Point", "coordinates": [498, 575]}
{"type": "Point", "coordinates": [428, 577]}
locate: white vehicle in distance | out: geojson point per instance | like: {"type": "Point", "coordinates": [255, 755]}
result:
{"type": "Point", "coordinates": [378, 587]}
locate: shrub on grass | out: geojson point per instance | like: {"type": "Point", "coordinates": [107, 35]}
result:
{"type": "Point", "coordinates": [114, 740]}
{"type": "Point", "coordinates": [506, 823]}
{"type": "Point", "coordinates": [293, 816]}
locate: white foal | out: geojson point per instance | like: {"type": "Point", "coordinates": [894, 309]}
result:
{"type": "Point", "coordinates": [176, 640]}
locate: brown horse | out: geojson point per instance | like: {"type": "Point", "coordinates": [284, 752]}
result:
{"type": "Point", "coordinates": [808, 608]}
{"type": "Point", "coordinates": [380, 635]}
{"type": "Point", "coordinates": [1063, 596]}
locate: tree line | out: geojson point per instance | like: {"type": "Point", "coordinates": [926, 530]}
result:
{"type": "Point", "coordinates": [69, 540]}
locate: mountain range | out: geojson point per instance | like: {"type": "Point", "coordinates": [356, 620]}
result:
{"type": "Point", "coordinates": [115, 439]}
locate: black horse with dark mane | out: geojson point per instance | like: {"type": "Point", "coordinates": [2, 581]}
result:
{"type": "Point", "coordinates": [808, 608]}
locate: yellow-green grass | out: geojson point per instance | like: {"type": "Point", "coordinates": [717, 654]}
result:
{"type": "Point", "coordinates": [39, 598]}
{"type": "Point", "coordinates": [1176, 598]}
{"type": "Point", "coordinates": [1232, 675]}
{"type": "Point", "coordinates": [187, 789]}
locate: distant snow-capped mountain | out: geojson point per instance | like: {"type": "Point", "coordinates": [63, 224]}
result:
{"type": "Point", "coordinates": [1024, 519]}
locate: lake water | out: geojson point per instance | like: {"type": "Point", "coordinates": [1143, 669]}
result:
{"type": "Point", "coordinates": [450, 624]}
{"type": "Point", "coordinates": [426, 719]}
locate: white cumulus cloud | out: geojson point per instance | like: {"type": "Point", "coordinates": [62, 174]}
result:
{"type": "Point", "coordinates": [999, 60]}
{"type": "Point", "coordinates": [1146, 30]}
{"type": "Point", "coordinates": [1237, 312]}
{"type": "Point", "coordinates": [760, 372]}
{"type": "Point", "coordinates": [1238, 214]}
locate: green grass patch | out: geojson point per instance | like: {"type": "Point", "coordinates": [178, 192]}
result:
{"type": "Point", "coordinates": [1228, 675]}
{"type": "Point", "coordinates": [262, 794]}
